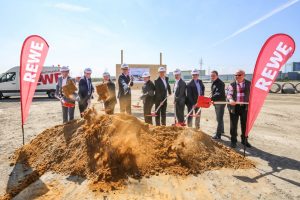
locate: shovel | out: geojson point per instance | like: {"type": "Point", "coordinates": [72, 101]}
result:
{"type": "Point", "coordinates": [137, 105]}
{"type": "Point", "coordinates": [154, 114]}
{"type": "Point", "coordinates": [206, 102]}
{"type": "Point", "coordinates": [65, 104]}
{"type": "Point", "coordinates": [129, 86]}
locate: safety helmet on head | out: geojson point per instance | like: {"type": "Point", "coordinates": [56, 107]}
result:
{"type": "Point", "coordinates": [106, 74]}
{"type": "Point", "coordinates": [161, 69]}
{"type": "Point", "coordinates": [88, 70]}
{"type": "Point", "coordinates": [177, 72]}
{"type": "Point", "coordinates": [64, 69]}
{"type": "Point", "coordinates": [124, 66]}
{"type": "Point", "coordinates": [195, 72]}
{"type": "Point", "coordinates": [146, 74]}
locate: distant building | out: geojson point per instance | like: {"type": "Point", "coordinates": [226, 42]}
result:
{"type": "Point", "coordinates": [185, 75]}
{"type": "Point", "coordinates": [230, 77]}
{"type": "Point", "coordinates": [296, 66]}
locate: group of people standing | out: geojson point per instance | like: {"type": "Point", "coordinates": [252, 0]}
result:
{"type": "Point", "coordinates": [157, 94]}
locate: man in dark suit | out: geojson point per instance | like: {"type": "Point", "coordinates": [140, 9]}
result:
{"type": "Point", "coordinates": [162, 90]}
{"type": "Point", "coordinates": [218, 94]}
{"type": "Point", "coordinates": [147, 97]}
{"type": "Point", "coordinates": [195, 88]}
{"type": "Point", "coordinates": [110, 103]}
{"type": "Point", "coordinates": [179, 96]}
{"type": "Point", "coordinates": [86, 90]}
{"type": "Point", "coordinates": [238, 91]}
{"type": "Point", "coordinates": [124, 95]}
{"type": "Point", "coordinates": [67, 103]}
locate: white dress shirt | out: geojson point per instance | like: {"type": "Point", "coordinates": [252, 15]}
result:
{"type": "Point", "coordinates": [64, 81]}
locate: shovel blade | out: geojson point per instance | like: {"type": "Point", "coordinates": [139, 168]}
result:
{"type": "Point", "coordinates": [203, 102]}
{"type": "Point", "coordinates": [178, 124]}
{"type": "Point", "coordinates": [136, 106]}
{"type": "Point", "coordinates": [152, 115]}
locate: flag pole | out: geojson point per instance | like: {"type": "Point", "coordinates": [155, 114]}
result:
{"type": "Point", "coordinates": [245, 142]}
{"type": "Point", "coordinates": [23, 134]}
{"type": "Point", "coordinates": [21, 102]}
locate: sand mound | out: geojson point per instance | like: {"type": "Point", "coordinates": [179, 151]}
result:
{"type": "Point", "coordinates": [106, 149]}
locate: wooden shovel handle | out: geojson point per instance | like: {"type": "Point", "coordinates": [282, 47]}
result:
{"type": "Point", "coordinates": [226, 102]}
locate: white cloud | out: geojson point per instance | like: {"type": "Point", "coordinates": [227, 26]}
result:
{"type": "Point", "coordinates": [70, 7]}
{"type": "Point", "coordinates": [257, 21]}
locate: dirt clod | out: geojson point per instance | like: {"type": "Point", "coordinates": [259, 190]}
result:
{"type": "Point", "coordinates": [69, 88]}
{"type": "Point", "coordinates": [102, 91]}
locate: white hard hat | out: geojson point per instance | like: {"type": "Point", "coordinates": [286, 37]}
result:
{"type": "Point", "coordinates": [64, 69]}
{"type": "Point", "coordinates": [177, 71]}
{"type": "Point", "coordinates": [195, 71]}
{"type": "Point", "coordinates": [124, 66]}
{"type": "Point", "coordinates": [146, 74]}
{"type": "Point", "coordinates": [161, 69]}
{"type": "Point", "coordinates": [106, 74]}
{"type": "Point", "coordinates": [88, 70]}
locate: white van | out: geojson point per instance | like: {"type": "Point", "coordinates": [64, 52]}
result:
{"type": "Point", "coordinates": [10, 82]}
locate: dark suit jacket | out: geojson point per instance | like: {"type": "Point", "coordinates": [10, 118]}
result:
{"type": "Point", "coordinates": [148, 90]}
{"type": "Point", "coordinates": [192, 92]}
{"type": "Point", "coordinates": [180, 93]}
{"type": "Point", "coordinates": [84, 90]}
{"type": "Point", "coordinates": [112, 92]}
{"type": "Point", "coordinates": [218, 90]}
{"type": "Point", "coordinates": [123, 82]}
{"type": "Point", "coordinates": [160, 90]}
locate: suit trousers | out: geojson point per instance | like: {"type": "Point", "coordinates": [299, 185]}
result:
{"type": "Point", "coordinates": [125, 104]}
{"type": "Point", "coordinates": [240, 112]}
{"type": "Point", "coordinates": [180, 111]}
{"type": "Point", "coordinates": [82, 106]}
{"type": "Point", "coordinates": [161, 117]}
{"type": "Point", "coordinates": [190, 118]}
{"type": "Point", "coordinates": [147, 111]}
{"type": "Point", "coordinates": [109, 107]}
{"type": "Point", "coordinates": [68, 113]}
{"type": "Point", "coordinates": [219, 109]}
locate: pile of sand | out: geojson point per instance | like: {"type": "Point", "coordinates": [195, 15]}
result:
{"type": "Point", "coordinates": [106, 149]}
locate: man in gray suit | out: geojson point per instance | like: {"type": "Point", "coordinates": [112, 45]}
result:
{"type": "Point", "coordinates": [67, 103]}
{"type": "Point", "coordinates": [179, 96]}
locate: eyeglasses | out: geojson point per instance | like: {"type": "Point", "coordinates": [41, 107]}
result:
{"type": "Point", "coordinates": [238, 75]}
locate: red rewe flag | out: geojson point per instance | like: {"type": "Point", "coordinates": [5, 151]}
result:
{"type": "Point", "coordinates": [33, 55]}
{"type": "Point", "coordinates": [273, 55]}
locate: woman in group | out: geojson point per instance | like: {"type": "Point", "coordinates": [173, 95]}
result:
{"type": "Point", "coordinates": [147, 97]}
{"type": "Point", "coordinates": [110, 103]}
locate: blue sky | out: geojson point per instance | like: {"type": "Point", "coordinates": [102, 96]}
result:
{"type": "Point", "coordinates": [226, 34]}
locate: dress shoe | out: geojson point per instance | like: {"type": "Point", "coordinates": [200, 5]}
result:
{"type": "Point", "coordinates": [216, 137]}
{"type": "Point", "coordinates": [233, 145]}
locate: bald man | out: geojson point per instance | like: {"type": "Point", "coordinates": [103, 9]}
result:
{"type": "Point", "coordinates": [238, 91]}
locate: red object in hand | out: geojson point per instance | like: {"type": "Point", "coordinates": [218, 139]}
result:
{"type": "Point", "coordinates": [203, 102]}
{"type": "Point", "coordinates": [69, 105]}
